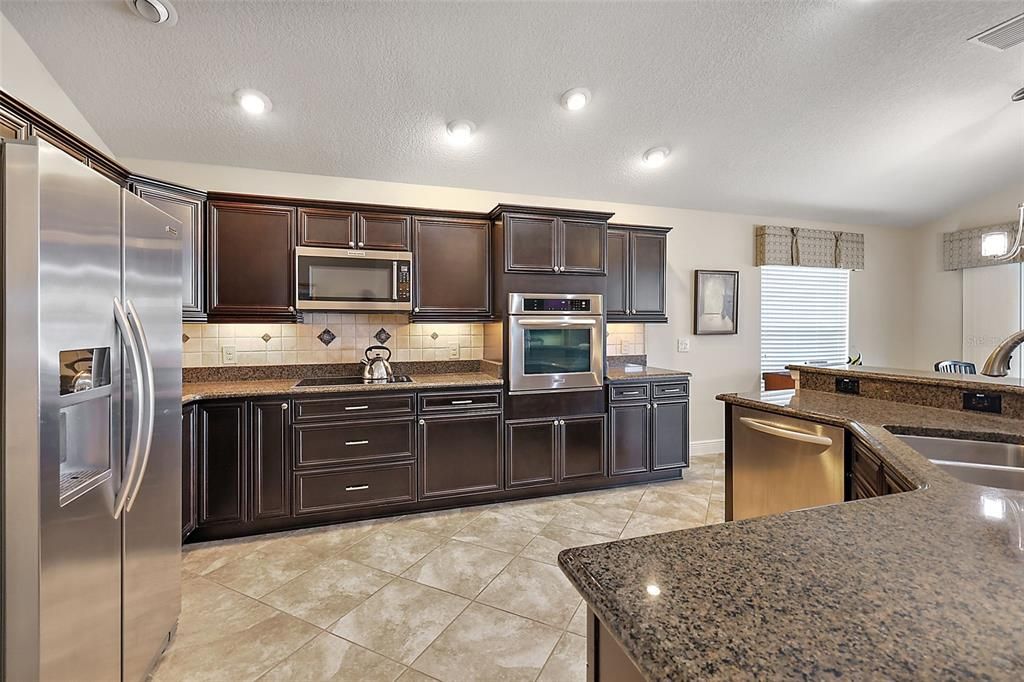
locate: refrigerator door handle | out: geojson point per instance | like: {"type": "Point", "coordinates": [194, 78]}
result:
{"type": "Point", "coordinates": [149, 402]}
{"type": "Point", "coordinates": [138, 408]}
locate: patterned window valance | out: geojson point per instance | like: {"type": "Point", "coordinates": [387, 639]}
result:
{"type": "Point", "coordinates": [777, 245]}
{"type": "Point", "coordinates": [962, 249]}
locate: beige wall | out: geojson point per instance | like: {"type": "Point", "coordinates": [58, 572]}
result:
{"type": "Point", "coordinates": [25, 77]}
{"type": "Point", "coordinates": [938, 295]}
{"type": "Point", "coordinates": [880, 296]}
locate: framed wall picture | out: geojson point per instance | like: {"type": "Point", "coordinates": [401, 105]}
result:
{"type": "Point", "coordinates": [716, 301]}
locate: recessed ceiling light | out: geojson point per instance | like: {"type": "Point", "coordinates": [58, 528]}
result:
{"type": "Point", "coordinates": [253, 102]}
{"type": "Point", "coordinates": [656, 157]}
{"type": "Point", "coordinates": [154, 11]}
{"type": "Point", "coordinates": [460, 131]}
{"type": "Point", "coordinates": [575, 99]}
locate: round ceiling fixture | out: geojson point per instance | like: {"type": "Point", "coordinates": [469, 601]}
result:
{"type": "Point", "coordinates": [460, 131]}
{"type": "Point", "coordinates": [254, 102]}
{"type": "Point", "coordinates": [154, 11]}
{"type": "Point", "coordinates": [656, 157]}
{"type": "Point", "coordinates": [575, 99]}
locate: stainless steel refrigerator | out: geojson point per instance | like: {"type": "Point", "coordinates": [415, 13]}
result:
{"type": "Point", "coordinates": [91, 422]}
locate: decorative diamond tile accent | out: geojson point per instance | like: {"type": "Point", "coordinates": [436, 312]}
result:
{"type": "Point", "coordinates": [184, 338]}
{"type": "Point", "coordinates": [266, 338]}
{"type": "Point", "coordinates": [382, 335]}
{"type": "Point", "coordinates": [434, 336]}
{"type": "Point", "coordinates": [326, 336]}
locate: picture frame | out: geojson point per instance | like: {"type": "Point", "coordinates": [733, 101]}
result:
{"type": "Point", "coordinates": [716, 302]}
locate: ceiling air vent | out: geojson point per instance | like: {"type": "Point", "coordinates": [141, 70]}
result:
{"type": "Point", "coordinates": [1002, 36]}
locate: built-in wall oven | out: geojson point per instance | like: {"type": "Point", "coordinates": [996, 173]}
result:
{"type": "Point", "coordinates": [349, 279]}
{"type": "Point", "coordinates": [555, 342]}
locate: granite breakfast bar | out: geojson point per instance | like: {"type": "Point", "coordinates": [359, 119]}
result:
{"type": "Point", "coordinates": [922, 584]}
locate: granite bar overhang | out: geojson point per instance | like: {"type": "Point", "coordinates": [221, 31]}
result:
{"type": "Point", "coordinates": [924, 584]}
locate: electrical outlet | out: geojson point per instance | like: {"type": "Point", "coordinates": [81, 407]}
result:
{"type": "Point", "coordinates": [228, 356]}
{"type": "Point", "coordinates": [683, 345]}
{"type": "Point", "coordinates": [453, 350]}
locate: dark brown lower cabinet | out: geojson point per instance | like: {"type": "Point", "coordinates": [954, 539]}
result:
{"type": "Point", "coordinates": [630, 429]}
{"type": "Point", "coordinates": [271, 455]}
{"type": "Point", "coordinates": [869, 477]}
{"type": "Point", "coordinates": [223, 465]}
{"type": "Point", "coordinates": [531, 452]}
{"type": "Point", "coordinates": [670, 438]}
{"type": "Point", "coordinates": [188, 470]}
{"type": "Point", "coordinates": [583, 447]}
{"type": "Point", "coordinates": [459, 454]}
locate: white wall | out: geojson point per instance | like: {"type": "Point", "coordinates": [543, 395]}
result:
{"type": "Point", "coordinates": [938, 295]}
{"type": "Point", "coordinates": [880, 296]}
{"type": "Point", "coordinates": [24, 76]}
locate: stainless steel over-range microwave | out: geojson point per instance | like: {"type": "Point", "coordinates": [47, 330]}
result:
{"type": "Point", "coordinates": [350, 279]}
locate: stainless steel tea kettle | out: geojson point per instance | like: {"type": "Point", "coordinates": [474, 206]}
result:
{"type": "Point", "coordinates": [377, 369]}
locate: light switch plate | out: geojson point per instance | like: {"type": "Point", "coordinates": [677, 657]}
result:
{"type": "Point", "coordinates": [228, 355]}
{"type": "Point", "coordinates": [453, 350]}
{"type": "Point", "coordinates": [683, 345]}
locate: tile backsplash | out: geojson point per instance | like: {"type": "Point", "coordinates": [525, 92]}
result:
{"type": "Point", "coordinates": [336, 338]}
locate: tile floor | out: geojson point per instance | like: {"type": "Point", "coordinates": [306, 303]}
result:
{"type": "Point", "coordinates": [465, 594]}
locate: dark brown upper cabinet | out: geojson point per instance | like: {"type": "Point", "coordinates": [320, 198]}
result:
{"type": "Point", "coordinates": [326, 227]}
{"type": "Point", "coordinates": [187, 206]}
{"type": "Point", "coordinates": [552, 241]}
{"type": "Point", "coordinates": [12, 126]}
{"type": "Point", "coordinates": [451, 269]}
{"type": "Point", "coordinates": [384, 232]}
{"type": "Point", "coordinates": [637, 268]}
{"type": "Point", "coordinates": [251, 262]}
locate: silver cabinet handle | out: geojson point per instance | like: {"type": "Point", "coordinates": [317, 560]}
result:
{"type": "Point", "coordinates": [422, 422]}
{"type": "Point", "coordinates": [138, 408]}
{"type": "Point", "coordinates": [462, 402]}
{"type": "Point", "coordinates": [352, 243]}
{"type": "Point", "coordinates": [284, 406]}
{"type": "Point", "coordinates": [561, 422]}
{"type": "Point", "coordinates": [361, 244]}
{"type": "Point", "coordinates": [356, 487]}
{"type": "Point", "coordinates": [150, 394]}
{"type": "Point", "coordinates": [630, 393]}
{"type": "Point", "coordinates": [416, 310]}
{"type": "Point", "coordinates": [670, 390]}
{"type": "Point", "coordinates": [648, 406]}
{"type": "Point", "coordinates": [357, 442]}
{"type": "Point", "coordinates": [555, 268]}
{"type": "Point", "coordinates": [357, 407]}
{"type": "Point", "coordinates": [561, 268]}
{"type": "Point", "coordinates": [773, 430]}
{"type": "Point", "coordinates": [655, 405]}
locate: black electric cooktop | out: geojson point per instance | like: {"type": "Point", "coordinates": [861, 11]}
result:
{"type": "Point", "coordinates": [348, 381]}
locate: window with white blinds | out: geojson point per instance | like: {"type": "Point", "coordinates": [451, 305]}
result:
{"type": "Point", "coordinates": [805, 315]}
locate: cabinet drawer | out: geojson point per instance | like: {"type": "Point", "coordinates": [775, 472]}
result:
{"type": "Point", "coordinates": [629, 392]}
{"type": "Point", "coordinates": [351, 442]}
{"type": "Point", "coordinates": [671, 390]}
{"type": "Point", "coordinates": [463, 400]}
{"type": "Point", "coordinates": [317, 492]}
{"type": "Point", "coordinates": [355, 407]}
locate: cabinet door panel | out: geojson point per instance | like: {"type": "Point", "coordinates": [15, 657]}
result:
{"type": "Point", "coordinates": [617, 299]}
{"type": "Point", "coordinates": [333, 490]}
{"type": "Point", "coordinates": [647, 273]}
{"type": "Point", "coordinates": [222, 465]}
{"type": "Point", "coordinates": [629, 438]}
{"type": "Point", "coordinates": [252, 260]}
{"type": "Point", "coordinates": [459, 455]}
{"type": "Point", "coordinates": [325, 227]}
{"type": "Point", "coordinates": [583, 246]}
{"type": "Point", "coordinates": [386, 232]}
{"type": "Point", "coordinates": [530, 452]}
{"type": "Point", "coordinates": [452, 268]}
{"type": "Point", "coordinates": [337, 443]}
{"type": "Point", "coordinates": [583, 447]}
{"type": "Point", "coordinates": [188, 470]}
{"type": "Point", "coordinates": [530, 243]}
{"type": "Point", "coordinates": [12, 127]}
{"type": "Point", "coordinates": [669, 435]}
{"type": "Point", "coordinates": [270, 459]}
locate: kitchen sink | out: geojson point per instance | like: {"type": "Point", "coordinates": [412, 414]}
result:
{"type": "Point", "coordinates": [999, 465]}
{"type": "Point", "coordinates": [349, 381]}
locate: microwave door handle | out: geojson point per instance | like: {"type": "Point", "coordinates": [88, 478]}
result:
{"type": "Point", "coordinates": [138, 408]}
{"type": "Point", "coordinates": [394, 280]}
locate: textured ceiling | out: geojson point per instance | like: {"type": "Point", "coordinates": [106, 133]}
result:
{"type": "Point", "coordinates": [871, 112]}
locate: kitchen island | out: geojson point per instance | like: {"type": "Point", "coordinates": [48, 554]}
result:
{"type": "Point", "coordinates": [923, 584]}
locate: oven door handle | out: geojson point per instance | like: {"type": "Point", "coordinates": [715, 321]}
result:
{"type": "Point", "coordinates": [548, 322]}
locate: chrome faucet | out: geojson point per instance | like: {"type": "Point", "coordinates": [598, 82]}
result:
{"type": "Point", "coordinates": [998, 363]}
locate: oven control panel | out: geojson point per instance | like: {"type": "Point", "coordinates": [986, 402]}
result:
{"type": "Point", "coordinates": [556, 305]}
{"type": "Point", "coordinates": [404, 282]}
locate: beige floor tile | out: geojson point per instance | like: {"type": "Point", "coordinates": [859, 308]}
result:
{"type": "Point", "coordinates": [674, 505]}
{"type": "Point", "coordinates": [649, 524]}
{"type": "Point", "coordinates": [568, 662]}
{"type": "Point", "coordinates": [487, 644]}
{"type": "Point", "coordinates": [716, 512]}
{"type": "Point", "coordinates": [592, 518]}
{"type": "Point", "coordinates": [327, 592]}
{"type": "Point", "coordinates": [534, 590]}
{"type": "Point", "coordinates": [327, 541]}
{"type": "Point", "coordinates": [553, 539]}
{"type": "Point", "coordinates": [624, 498]}
{"type": "Point", "coordinates": [503, 532]}
{"type": "Point", "coordinates": [446, 522]}
{"type": "Point", "coordinates": [400, 619]}
{"type": "Point", "coordinates": [718, 487]}
{"type": "Point", "coordinates": [411, 675]}
{"type": "Point", "coordinates": [459, 567]}
{"type": "Point", "coordinates": [578, 624]}
{"type": "Point", "coordinates": [693, 483]}
{"type": "Point", "coordinates": [236, 656]}
{"type": "Point", "coordinates": [204, 557]}
{"type": "Point", "coordinates": [392, 549]}
{"type": "Point", "coordinates": [210, 610]}
{"type": "Point", "coordinates": [332, 658]}
{"type": "Point", "coordinates": [542, 509]}
{"type": "Point", "coordinates": [261, 572]}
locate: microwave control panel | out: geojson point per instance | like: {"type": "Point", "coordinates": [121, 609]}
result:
{"type": "Point", "coordinates": [560, 305]}
{"type": "Point", "coordinates": [404, 282]}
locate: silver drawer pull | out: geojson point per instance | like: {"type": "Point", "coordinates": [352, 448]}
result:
{"type": "Point", "coordinates": [462, 402]}
{"type": "Point", "coordinates": [357, 442]}
{"type": "Point", "coordinates": [630, 392]}
{"type": "Point", "coordinates": [358, 407]}
{"type": "Point", "coordinates": [356, 487]}
{"type": "Point", "coordinates": [670, 390]}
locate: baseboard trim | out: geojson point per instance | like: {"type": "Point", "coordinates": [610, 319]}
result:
{"type": "Point", "coordinates": [707, 447]}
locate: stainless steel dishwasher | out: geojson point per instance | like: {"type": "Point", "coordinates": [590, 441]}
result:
{"type": "Point", "coordinates": [779, 464]}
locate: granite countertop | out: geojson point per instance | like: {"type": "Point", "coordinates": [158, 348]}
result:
{"type": "Point", "coordinates": [976, 382]}
{"type": "Point", "coordinates": [210, 390]}
{"type": "Point", "coordinates": [919, 585]}
{"type": "Point", "coordinates": [614, 374]}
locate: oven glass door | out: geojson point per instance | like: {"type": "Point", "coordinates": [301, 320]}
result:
{"type": "Point", "coordinates": [328, 282]}
{"type": "Point", "coordinates": [556, 353]}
